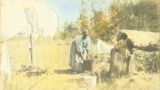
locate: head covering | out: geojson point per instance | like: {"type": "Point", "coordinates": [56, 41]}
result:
{"type": "Point", "coordinates": [124, 35]}
{"type": "Point", "coordinates": [85, 32]}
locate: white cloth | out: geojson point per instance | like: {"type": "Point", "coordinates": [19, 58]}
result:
{"type": "Point", "coordinates": [43, 18]}
{"type": "Point", "coordinates": [5, 63]}
{"type": "Point", "coordinates": [12, 22]}
{"type": "Point", "coordinates": [102, 47]}
{"type": "Point", "coordinates": [13, 19]}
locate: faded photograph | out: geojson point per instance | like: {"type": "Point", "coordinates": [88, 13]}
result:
{"type": "Point", "coordinates": [79, 44]}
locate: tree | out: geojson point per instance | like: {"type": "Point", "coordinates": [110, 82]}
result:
{"type": "Point", "coordinates": [104, 25]}
{"type": "Point", "coordinates": [70, 30]}
{"type": "Point", "coordinates": [140, 16]}
{"type": "Point", "coordinates": [83, 16]}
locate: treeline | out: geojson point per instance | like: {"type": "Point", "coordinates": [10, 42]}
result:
{"type": "Point", "coordinates": [103, 22]}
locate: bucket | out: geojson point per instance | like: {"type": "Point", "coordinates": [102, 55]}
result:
{"type": "Point", "coordinates": [89, 81]}
{"type": "Point", "coordinates": [88, 65]}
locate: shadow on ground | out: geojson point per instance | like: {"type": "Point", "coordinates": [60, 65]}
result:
{"type": "Point", "coordinates": [64, 71]}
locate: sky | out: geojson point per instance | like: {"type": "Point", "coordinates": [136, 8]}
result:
{"type": "Point", "coordinates": [67, 10]}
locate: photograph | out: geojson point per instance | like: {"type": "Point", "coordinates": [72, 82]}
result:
{"type": "Point", "coordinates": [79, 44]}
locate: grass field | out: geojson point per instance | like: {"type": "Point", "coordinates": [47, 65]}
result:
{"type": "Point", "coordinates": [48, 54]}
{"type": "Point", "coordinates": [53, 55]}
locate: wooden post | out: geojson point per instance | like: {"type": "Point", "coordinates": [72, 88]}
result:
{"type": "Point", "coordinates": [31, 35]}
{"type": "Point", "coordinates": [31, 48]}
{"type": "Point", "coordinates": [29, 13]}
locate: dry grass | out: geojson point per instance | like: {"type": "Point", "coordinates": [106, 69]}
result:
{"type": "Point", "coordinates": [54, 55]}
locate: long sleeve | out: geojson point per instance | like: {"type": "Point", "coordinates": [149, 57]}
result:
{"type": "Point", "coordinates": [89, 44]}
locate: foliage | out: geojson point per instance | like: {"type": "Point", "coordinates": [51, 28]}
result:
{"type": "Point", "coordinates": [104, 23]}
{"type": "Point", "coordinates": [102, 26]}
{"type": "Point", "coordinates": [139, 16]}
{"type": "Point", "coordinates": [70, 31]}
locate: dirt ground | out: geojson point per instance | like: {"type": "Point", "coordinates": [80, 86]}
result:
{"type": "Point", "coordinates": [53, 56]}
